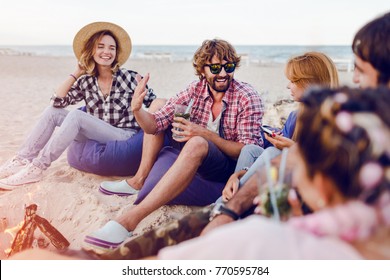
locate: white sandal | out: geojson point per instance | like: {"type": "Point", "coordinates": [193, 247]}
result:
{"type": "Point", "coordinates": [109, 237]}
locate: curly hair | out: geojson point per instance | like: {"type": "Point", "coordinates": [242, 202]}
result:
{"type": "Point", "coordinates": [210, 48]}
{"type": "Point", "coordinates": [86, 58]}
{"type": "Point", "coordinates": [345, 133]}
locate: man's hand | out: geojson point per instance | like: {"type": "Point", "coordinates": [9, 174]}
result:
{"type": "Point", "coordinates": [188, 129]}
{"type": "Point", "coordinates": [139, 93]}
{"type": "Point", "coordinates": [232, 185]}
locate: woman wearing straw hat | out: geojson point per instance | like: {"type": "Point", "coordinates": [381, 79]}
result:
{"type": "Point", "coordinates": [101, 48]}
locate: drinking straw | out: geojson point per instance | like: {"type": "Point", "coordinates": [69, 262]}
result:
{"type": "Point", "coordinates": [189, 106]}
{"type": "Point", "coordinates": [282, 169]}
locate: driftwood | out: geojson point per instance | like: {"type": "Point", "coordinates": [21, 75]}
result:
{"type": "Point", "coordinates": [25, 236]}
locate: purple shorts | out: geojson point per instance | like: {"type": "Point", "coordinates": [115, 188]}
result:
{"type": "Point", "coordinates": [205, 187]}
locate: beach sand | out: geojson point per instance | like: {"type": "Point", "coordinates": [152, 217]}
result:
{"type": "Point", "coordinates": [69, 198]}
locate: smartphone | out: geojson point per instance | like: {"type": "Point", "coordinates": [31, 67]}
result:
{"type": "Point", "coordinates": [268, 131]}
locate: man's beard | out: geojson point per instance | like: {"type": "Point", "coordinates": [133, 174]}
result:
{"type": "Point", "coordinates": [219, 87]}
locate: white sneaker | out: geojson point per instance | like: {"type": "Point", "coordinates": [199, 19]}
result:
{"type": "Point", "coordinates": [12, 167]}
{"type": "Point", "coordinates": [29, 174]}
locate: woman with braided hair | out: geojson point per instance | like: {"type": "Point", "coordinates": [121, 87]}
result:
{"type": "Point", "coordinates": [303, 71]}
{"type": "Point", "coordinates": [342, 171]}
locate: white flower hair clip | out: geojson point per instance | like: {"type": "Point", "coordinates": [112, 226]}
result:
{"type": "Point", "coordinates": [370, 175]}
{"type": "Point", "coordinates": [344, 121]}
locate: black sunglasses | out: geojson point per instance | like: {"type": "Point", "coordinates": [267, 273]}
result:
{"type": "Point", "coordinates": [217, 68]}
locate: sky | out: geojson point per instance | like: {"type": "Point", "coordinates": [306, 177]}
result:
{"type": "Point", "coordinates": [189, 22]}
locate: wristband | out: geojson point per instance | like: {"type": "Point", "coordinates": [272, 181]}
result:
{"type": "Point", "coordinates": [220, 209]}
{"type": "Point", "coordinates": [73, 76]}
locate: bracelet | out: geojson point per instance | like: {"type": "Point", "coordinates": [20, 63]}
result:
{"type": "Point", "coordinates": [73, 76]}
{"type": "Point", "coordinates": [220, 209]}
{"type": "Point", "coordinates": [245, 168]}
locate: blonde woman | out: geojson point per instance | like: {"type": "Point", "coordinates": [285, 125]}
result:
{"type": "Point", "coordinates": [342, 172]}
{"type": "Point", "coordinates": [101, 48]}
{"type": "Point", "coordinates": [303, 72]}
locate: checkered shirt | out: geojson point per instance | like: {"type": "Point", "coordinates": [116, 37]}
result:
{"type": "Point", "coordinates": [114, 110]}
{"type": "Point", "coordinates": [242, 111]}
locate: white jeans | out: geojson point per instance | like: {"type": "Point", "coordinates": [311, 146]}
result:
{"type": "Point", "coordinates": [42, 147]}
{"type": "Point", "coordinates": [253, 156]}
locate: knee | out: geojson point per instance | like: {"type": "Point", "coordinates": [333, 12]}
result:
{"type": "Point", "coordinates": [196, 148]}
{"type": "Point", "coordinates": [53, 115]}
{"type": "Point", "coordinates": [272, 152]}
{"type": "Point", "coordinates": [251, 150]}
{"type": "Point", "coordinates": [75, 114]}
{"type": "Point", "coordinates": [74, 117]}
{"type": "Point", "coordinates": [157, 104]}
{"type": "Point", "coordinates": [51, 111]}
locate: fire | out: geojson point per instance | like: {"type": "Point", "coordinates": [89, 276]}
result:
{"type": "Point", "coordinates": [14, 230]}
{"type": "Point", "coordinates": [23, 233]}
{"type": "Point", "coordinates": [3, 224]}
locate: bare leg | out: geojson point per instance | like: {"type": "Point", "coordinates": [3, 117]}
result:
{"type": "Point", "coordinates": [171, 184]}
{"type": "Point", "coordinates": [151, 147]}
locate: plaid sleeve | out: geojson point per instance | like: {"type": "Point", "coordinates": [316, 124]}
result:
{"type": "Point", "coordinates": [129, 77]}
{"type": "Point", "coordinates": [164, 116]}
{"type": "Point", "coordinates": [250, 120]}
{"type": "Point", "coordinates": [74, 95]}
{"type": "Point", "coordinates": [149, 97]}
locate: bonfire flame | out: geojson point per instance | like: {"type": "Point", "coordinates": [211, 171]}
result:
{"type": "Point", "coordinates": [25, 236]}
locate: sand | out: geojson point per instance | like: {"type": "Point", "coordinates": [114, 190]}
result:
{"type": "Point", "coordinates": [69, 198]}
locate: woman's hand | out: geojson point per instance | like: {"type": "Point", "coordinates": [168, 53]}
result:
{"type": "Point", "coordinates": [80, 70]}
{"type": "Point", "coordinates": [63, 89]}
{"type": "Point", "coordinates": [279, 141]}
{"type": "Point", "coordinates": [139, 92]}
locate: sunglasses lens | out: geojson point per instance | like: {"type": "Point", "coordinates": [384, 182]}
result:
{"type": "Point", "coordinates": [215, 68]}
{"type": "Point", "coordinates": [230, 67]}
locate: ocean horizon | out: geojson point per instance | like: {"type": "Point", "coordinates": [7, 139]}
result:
{"type": "Point", "coordinates": [263, 54]}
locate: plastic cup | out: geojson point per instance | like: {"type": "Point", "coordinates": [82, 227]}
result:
{"type": "Point", "coordinates": [273, 193]}
{"type": "Point", "coordinates": [180, 111]}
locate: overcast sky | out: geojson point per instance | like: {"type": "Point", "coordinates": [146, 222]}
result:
{"type": "Point", "coordinates": [189, 22]}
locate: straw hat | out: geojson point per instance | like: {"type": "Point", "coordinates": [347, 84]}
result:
{"type": "Point", "coordinates": [87, 31]}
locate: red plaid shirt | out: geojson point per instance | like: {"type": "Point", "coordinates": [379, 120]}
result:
{"type": "Point", "coordinates": [242, 111]}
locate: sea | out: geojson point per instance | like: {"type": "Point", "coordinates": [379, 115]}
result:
{"type": "Point", "coordinates": [263, 54]}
